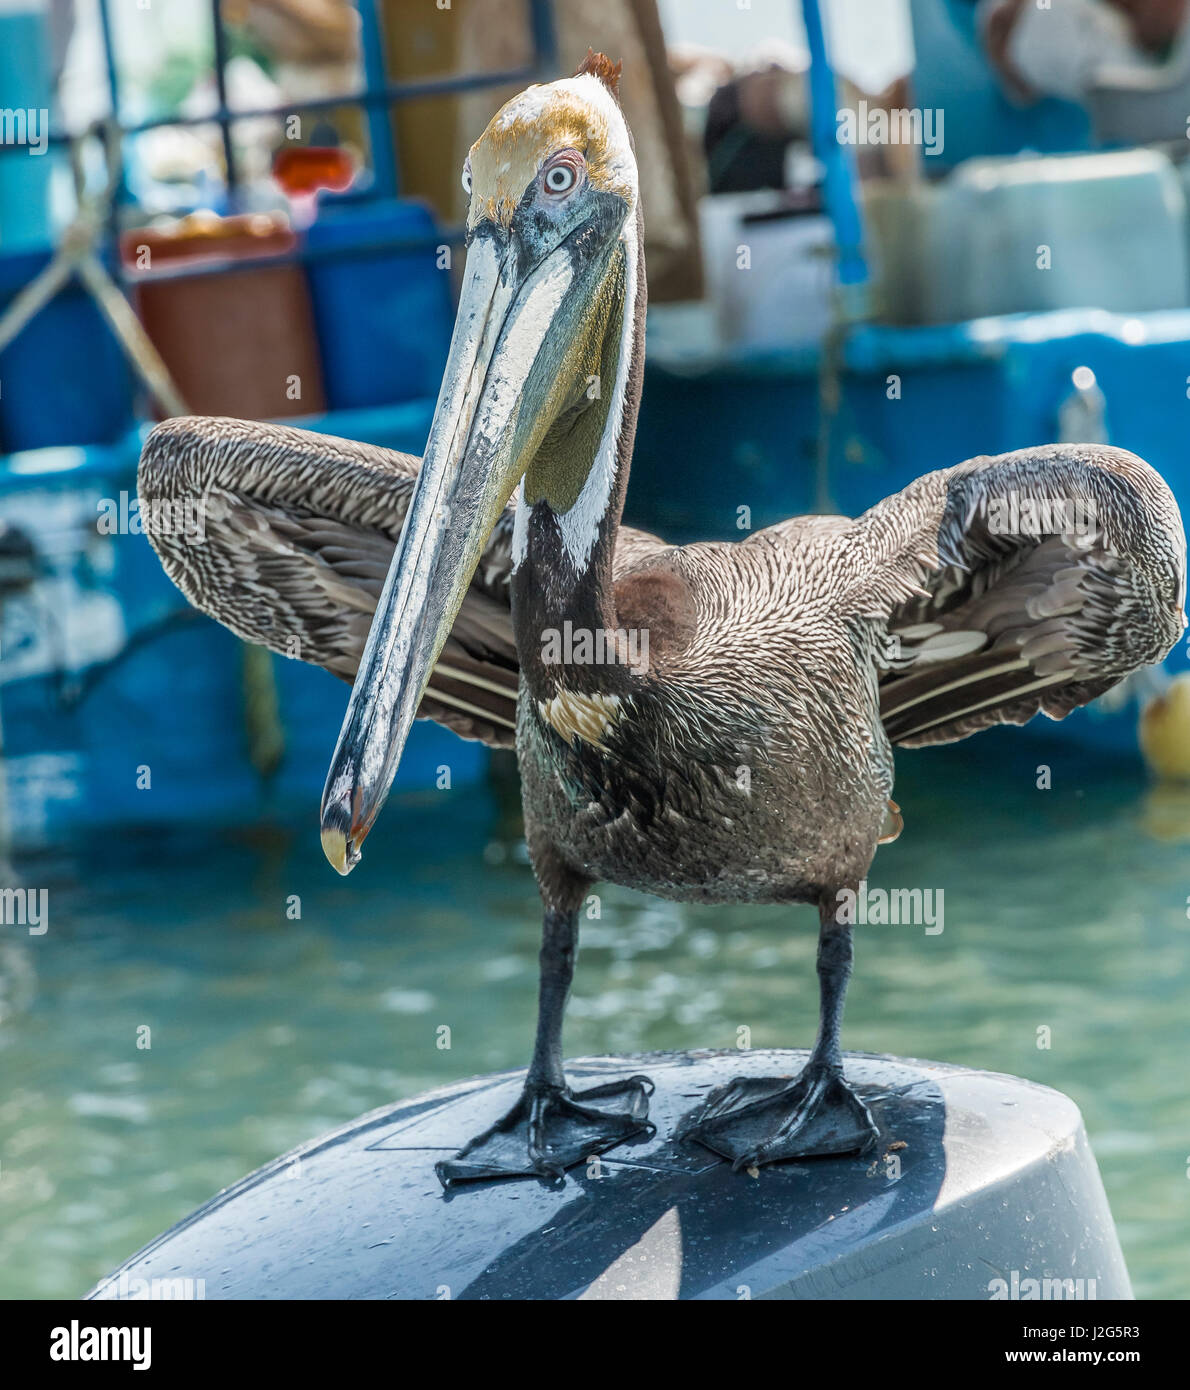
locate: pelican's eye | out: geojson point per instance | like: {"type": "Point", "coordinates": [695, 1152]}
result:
{"type": "Point", "coordinates": [467, 178]}
{"type": "Point", "coordinates": [561, 174]}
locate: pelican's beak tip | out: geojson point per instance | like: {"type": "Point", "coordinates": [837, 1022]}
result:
{"type": "Point", "coordinates": [334, 846]}
{"type": "Point", "coordinates": [338, 843]}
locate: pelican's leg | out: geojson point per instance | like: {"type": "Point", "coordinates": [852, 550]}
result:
{"type": "Point", "coordinates": [754, 1120]}
{"type": "Point", "coordinates": [551, 1128]}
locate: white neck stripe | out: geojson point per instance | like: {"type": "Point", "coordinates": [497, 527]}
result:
{"type": "Point", "coordinates": [580, 525]}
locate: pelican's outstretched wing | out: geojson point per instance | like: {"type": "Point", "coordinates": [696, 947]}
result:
{"type": "Point", "coordinates": [297, 531]}
{"type": "Point", "coordinates": [1033, 581]}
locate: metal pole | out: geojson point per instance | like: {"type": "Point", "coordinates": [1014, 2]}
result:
{"type": "Point", "coordinates": [224, 114]}
{"type": "Point", "coordinates": [839, 192]}
{"type": "Point", "coordinates": [545, 38]}
{"type": "Point", "coordinates": [109, 58]}
{"type": "Point", "coordinates": [114, 142]}
{"type": "Point", "coordinates": [380, 129]}
{"type": "Point", "coordinates": [840, 178]}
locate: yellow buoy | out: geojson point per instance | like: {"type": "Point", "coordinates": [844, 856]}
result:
{"type": "Point", "coordinates": [1165, 731]}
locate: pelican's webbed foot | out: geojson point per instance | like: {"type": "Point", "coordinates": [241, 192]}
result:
{"type": "Point", "coordinates": [755, 1120]}
{"type": "Point", "coordinates": [551, 1129]}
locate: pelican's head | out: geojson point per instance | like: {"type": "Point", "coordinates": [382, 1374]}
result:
{"type": "Point", "coordinates": [553, 199]}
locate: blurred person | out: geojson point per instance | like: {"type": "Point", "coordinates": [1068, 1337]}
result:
{"type": "Point", "coordinates": [759, 115]}
{"type": "Point", "coordinates": [1075, 48]}
{"type": "Point", "coordinates": [752, 120]}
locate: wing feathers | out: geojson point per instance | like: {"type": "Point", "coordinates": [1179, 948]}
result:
{"type": "Point", "coordinates": [299, 532]}
{"type": "Point", "coordinates": [992, 616]}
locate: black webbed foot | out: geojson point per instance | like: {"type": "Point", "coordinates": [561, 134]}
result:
{"type": "Point", "coordinates": [755, 1120]}
{"type": "Point", "coordinates": [550, 1129]}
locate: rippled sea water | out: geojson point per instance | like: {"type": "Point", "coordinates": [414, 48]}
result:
{"type": "Point", "coordinates": [1065, 910]}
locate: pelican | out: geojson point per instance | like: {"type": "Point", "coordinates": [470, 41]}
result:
{"type": "Point", "coordinates": [744, 754]}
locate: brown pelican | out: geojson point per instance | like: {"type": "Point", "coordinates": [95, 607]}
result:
{"type": "Point", "coordinates": [745, 754]}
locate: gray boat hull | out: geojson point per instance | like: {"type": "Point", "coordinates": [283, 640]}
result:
{"type": "Point", "coordinates": [981, 1186]}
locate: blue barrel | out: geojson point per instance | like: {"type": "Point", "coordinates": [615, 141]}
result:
{"type": "Point", "coordinates": [65, 379]}
{"type": "Point", "coordinates": [384, 314]}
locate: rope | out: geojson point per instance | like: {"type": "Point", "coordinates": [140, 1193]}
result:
{"type": "Point", "coordinates": [262, 713]}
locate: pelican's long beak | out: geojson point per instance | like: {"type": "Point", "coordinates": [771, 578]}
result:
{"type": "Point", "coordinates": [496, 379]}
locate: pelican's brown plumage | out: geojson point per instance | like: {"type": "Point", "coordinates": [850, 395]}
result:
{"type": "Point", "coordinates": [750, 759]}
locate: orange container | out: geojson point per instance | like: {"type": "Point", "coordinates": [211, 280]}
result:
{"type": "Point", "coordinates": [238, 339]}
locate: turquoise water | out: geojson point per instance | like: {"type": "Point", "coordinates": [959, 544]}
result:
{"type": "Point", "coordinates": [1065, 910]}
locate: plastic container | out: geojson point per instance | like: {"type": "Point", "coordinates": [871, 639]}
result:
{"type": "Point", "coordinates": [899, 218]}
{"type": "Point", "coordinates": [769, 270]}
{"type": "Point", "coordinates": [1112, 228]}
{"type": "Point", "coordinates": [239, 338]}
{"type": "Point", "coordinates": [384, 315]}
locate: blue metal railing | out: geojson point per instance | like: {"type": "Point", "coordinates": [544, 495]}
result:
{"type": "Point", "coordinates": [378, 94]}
{"type": "Point", "coordinates": [374, 98]}
{"type": "Point", "coordinates": [225, 124]}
